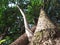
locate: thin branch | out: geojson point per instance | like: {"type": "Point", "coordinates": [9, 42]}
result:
{"type": "Point", "coordinates": [27, 28]}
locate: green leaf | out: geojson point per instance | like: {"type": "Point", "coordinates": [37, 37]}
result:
{"type": "Point", "coordinates": [1, 41]}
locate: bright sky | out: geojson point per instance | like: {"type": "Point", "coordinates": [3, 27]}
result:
{"type": "Point", "coordinates": [11, 5]}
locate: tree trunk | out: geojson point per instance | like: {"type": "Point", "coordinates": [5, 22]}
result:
{"type": "Point", "coordinates": [45, 31]}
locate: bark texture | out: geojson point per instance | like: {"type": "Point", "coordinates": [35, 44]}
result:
{"type": "Point", "coordinates": [45, 31]}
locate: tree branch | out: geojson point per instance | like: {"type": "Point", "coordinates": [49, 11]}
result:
{"type": "Point", "coordinates": [23, 39]}
{"type": "Point", "coordinates": [27, 28]}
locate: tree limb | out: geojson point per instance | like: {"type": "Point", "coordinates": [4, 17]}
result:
{"type": "Point", "coordinates": [27, 28]}
{"type": "Point", "coordinates": [23, 39]}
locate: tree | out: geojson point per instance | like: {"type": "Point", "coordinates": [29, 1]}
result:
{"type": "Point", "coordinates": [11, 20]}
{"type": "Point", "coordinates": [47, 8]}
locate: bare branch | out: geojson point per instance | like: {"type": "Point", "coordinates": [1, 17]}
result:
{"type": "Point", "coordinates": [27, 28]}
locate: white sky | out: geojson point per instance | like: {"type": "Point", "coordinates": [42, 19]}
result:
{"type": "Point", "coordinates": [11, 5]}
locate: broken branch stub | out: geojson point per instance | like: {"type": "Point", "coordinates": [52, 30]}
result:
{"type": "Point", "coordinates": [44, 22]}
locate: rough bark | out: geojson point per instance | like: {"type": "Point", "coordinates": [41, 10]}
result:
{"type": "Point", "coordinates": [45, 31]}
{"type": "Point", "coordinates": [23, 39]}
